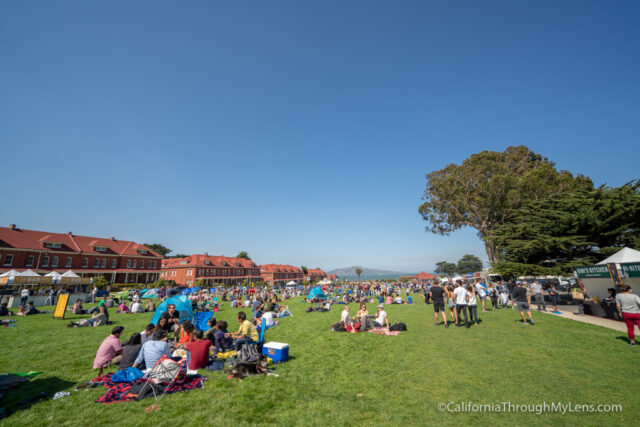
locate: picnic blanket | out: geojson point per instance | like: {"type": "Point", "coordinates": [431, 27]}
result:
{"type": "Point", "coordinates": [124, 392]}
{"type": "Point", "coordinates": [383, 331]}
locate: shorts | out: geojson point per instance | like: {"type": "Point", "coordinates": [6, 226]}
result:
{"type": "Point", "coordinates": [522, 306]}
{"type": "Point", "coordinates": [483, 297]}
{"type": "Point", "coordinates": [438, 306]}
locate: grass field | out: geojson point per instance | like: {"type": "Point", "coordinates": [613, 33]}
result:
{"type": "Point", "coordinates": [350, 379]}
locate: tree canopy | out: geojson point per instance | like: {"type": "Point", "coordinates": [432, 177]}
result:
{"type": "Point", "coordinates": [444, 268]}
{"type": "Point", "coordinates": [304, 269]}
{"type": "Point", "coordinates": [358, 272]}
{"type": "Point", "coordinates": [556, 233]}
{"type": "Point", "coordinates": [469, 264]}
{"type": "Point", "coordinates": [158, 248]}
{"type": "Point", "coordinates": [488, 188]}
{"type": "Point", "coordinates": [243, 254]}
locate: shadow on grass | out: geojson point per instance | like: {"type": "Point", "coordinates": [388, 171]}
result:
{"type": "Point", "coordinates": [22, 397]}
{"type": "Point", "coordinates": [623, 338]}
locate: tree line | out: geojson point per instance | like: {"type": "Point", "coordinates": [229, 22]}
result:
{"type": "Point", "coordinates": [533, 218]}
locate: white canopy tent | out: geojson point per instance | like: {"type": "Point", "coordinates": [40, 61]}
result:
{"type": "Point", "coordinates": [623, 255]}
{"type": "Point", "coordinates": [9, 273]}
{"type": "Point", "coordinates": [29, 277]}
{"type": "Point", "coordinates": [291, 283]}
{"type": "Point", "coordinates": [69, 273]}
{"type": "Point", "coordinates": [55, 276]}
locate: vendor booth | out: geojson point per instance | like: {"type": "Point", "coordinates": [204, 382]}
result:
{"type": "Point", "coordinates": [621, 267]}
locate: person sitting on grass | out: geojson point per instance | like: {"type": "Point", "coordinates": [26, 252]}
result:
{"type": "Point", "coordinates": [187, 334]}
{"type": "Point", "coordinates": [122, 309]}
{"type": "Point", "coordinates": [221, 340]}
{"type": "Point", "coordinates": [211, 329]}
{"type": "Point", "coordinates": [199, 350]}
{"type": "Point", "coordinates": [147, 333]}
{"type": "Point", "coordinates": [130, 351]}
{"type": "Point", "coordinates": [381, 319]}
{"type": "Point", "coordinates": [97, 319]}
{"type": "Point", "coordinates": [247, 333]}
{"type": "Point", "coordinates": [346, 319]}
{"type": "Point", "coordinates": [173, 317]}
{"type": "Point", "coordinates": [4, 310]}
{"type": "Point", "coordinates": [150, 307]}
{"type": "Point", "coordinates": [31, 309]}
{"type": "Point", "coordinates": [136, 307]}
{"type": "Point", "coordinates": [77, 307]}
{"type": "Point", "coordinates": [97, 307]}
{"type": "Point", "coordinates": [153, 349]}
{"type": "Point", "coordinates": [110, 351]}
{"type": "Point", "coordinates": [284, 311]}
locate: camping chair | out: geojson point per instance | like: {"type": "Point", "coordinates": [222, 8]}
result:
{"type": "Point", "coordinates": [161, 377]}
{"type": "Point", "coordinates": [202, 317]}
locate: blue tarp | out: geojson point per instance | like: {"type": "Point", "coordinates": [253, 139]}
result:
{"type": "Point", "coordinates": [202, 318]}
{"type": "Point", "coordinates": [182, 305]}
{"type": "Point", "coordinates": [316, 292]}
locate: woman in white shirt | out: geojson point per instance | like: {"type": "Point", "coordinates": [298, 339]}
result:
{"type": "Point", "coordinates": [473, 305]}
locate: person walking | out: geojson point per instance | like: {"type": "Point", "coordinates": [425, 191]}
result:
{"type": "Point", "coordinates": [628, 307]}
{"type": "Point", "coordinates": [94, 292]}
{"type": "Point", "coordinates": [553, 293]}
{"type": "Point", "coordinates": [482, 293]}
{"type": "Point", "coordinates": [537, 290]}
{"type": "Point", "coordinates": [461, 298]}
{"type": "Point", "coordinates": [520, 300]}
{"type": "Point", "coordinates": [436, 292]}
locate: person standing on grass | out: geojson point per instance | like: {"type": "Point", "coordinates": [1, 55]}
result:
{"type": "Point", "coordinates": [94, 292]}
{"type": "Point", "coordinates": [537, 290]}
{"type": "Point", "coordinates": [628, 307]}
{"type": "Point", "coordinates": [482, 293]}
{"type": "Point", "coordinates": [437, 293]}
{"type": "Point", "coordinates": [24, 296]}
{"type": "Point", "coordinates": [521, 301]}
{"type": "Point", "coordinates": [110, 351]}
{"type": "Point", "coordinates": [473, 305]}
{"type": "Point", "coordinates": [452, 304]}
{"type": "Point", "coordinates": [461, 298]}
{"type": "Point", "coordinates": [427, 293]}
{"type": "Point", "coordinates": [493, 295]}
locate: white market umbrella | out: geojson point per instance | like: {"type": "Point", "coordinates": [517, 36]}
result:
{"type": "Point", "coordinates": [69, 273]}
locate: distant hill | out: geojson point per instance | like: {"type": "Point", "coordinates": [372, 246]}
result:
{"type": "Point", "coordinates": [367, 273]}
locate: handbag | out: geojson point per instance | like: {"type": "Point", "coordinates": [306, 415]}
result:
{"type": "Point", "coordinates": [577, 296]}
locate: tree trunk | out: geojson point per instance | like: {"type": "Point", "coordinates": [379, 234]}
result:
{"type": "Point", "coordinates": [492, 251]}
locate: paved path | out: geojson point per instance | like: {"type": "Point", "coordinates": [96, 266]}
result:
{"type": "Point", "coordinates": [570, 312]}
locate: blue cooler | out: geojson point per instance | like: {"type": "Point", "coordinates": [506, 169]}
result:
{"type": "Point", "coordinates": [276, 351]}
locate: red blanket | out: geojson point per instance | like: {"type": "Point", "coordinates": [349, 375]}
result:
{"type": "Point", "coordinates": [119, 392]}
{"type": "Point", "coordinates": [383, 331]}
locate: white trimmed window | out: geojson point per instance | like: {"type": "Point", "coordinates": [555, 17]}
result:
{"type": "Point", "coordinates": [96, 263]}
{"type": "Point", "coordinates": [135, 263]}
{"type": "Point", "coordinates": [85, 263]}
{"type": "Point", "coordinates": [69, 261]}
{"type": "Point", "coordinates": [52, 245]}
{"type": "Point", "coordinates": [29, 261]}
{"type": "Point", "coordinates": [104, 263]}
{"type": "Point", "coordinates": [113, 263]}
{"type": "Point", "coordinates": [142, 264]}
{"type": "Point", "coordinates": [45, 261]}
{"type": "Point", "coordinates": [128, 263]}
{"type": "Point", "coordinates": [54, 263]}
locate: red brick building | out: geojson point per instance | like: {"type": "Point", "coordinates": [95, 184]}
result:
{"type": "Point", "coordinates": [119, 261]}
{"type": "Point", "coordinates": [211, 270]}
{"type": "Point", "coordinates": [276, 274]}
{"type": "Point", "coordinates": [315, 275]}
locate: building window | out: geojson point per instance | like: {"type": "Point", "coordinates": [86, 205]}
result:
{"type": "Point", "coordinates": [85, 263]}
{"type": "Point", "coordinates": [142, 264]}
{"type": "Point", "coordinates": [104, 263]}
{"type": "Point", "coordinates": [55, 262]}
{"type": "Point", "coordinates": [96, 263]}
{"type": "Point", "coordinates": [100, 248]}
{"type": "Point", "coordinates": [69, 260]}
{"type": "Point", "coordinates": [113, 263]}
{"type": "Point", "coordinates": [128, 263]}
{"type": "Point", "coordinates": [135, 262]}
{"type": "Point", "coordinates": [52, 245]}
{"type": "Point", "coordinates": [29, 261]}
{"type": "Point", "coordinates": [45, 261]}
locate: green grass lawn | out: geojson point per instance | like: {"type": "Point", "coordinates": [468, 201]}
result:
{"type": "Point", "coordinates": [350, 379]}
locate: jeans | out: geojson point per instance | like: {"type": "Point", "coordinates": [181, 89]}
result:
{"type": "Point", "coordinates": [462, 308]}
{"type": "Point", "coordinates": [23, 300]}
{"type": "Point", "coordinates": [48, 299]}
{"type": "Point", "coordinates": [540, 301]}
{"type": "Point", "coordinates": [473, 313]}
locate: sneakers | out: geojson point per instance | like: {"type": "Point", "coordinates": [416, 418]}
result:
{"type": "Point", "coordinates": [632, 343]}
{"type": "Point", "coordinates": [532, 322]}
{"type": "Point", "coordinates": [524, 323]}
{"type": "Point", "coordinates": [446, 325]}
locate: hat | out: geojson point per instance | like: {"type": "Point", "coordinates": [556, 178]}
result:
{"type": "Point", "coordinates": [380, 306]}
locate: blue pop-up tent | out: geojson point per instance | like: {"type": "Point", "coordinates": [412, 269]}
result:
{"type": "Point", "coordinates": [182, 305]}
{"type": "Point", "coordinates": [316, 292]}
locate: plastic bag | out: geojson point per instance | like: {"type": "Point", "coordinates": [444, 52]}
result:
{"type": "Point", "coordinates": [128, 375]}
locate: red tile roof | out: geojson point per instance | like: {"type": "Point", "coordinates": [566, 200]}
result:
{"type": "Point", "coordinates": [206, 260]}
{"type": "Point", "coordinates": [279, 268]}
{"type": "Point", "coordinates": [420, 276]}
{"type": "Point", "coordinates": [30, 239]}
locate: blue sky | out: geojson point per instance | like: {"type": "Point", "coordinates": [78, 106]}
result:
{"type": "Point", "coordinates": [299, 131]}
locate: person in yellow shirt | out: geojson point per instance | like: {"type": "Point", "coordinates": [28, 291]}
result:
{"type": "Point", "coordinates": [247, 333]}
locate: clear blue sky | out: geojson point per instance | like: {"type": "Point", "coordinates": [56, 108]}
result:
{"type": "Point", "coordinates": [299, 131]}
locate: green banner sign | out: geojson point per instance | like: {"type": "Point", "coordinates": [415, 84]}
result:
{"type": "Point", "coordinates": [631, 269]}
{"type": "Point", "coordinates": [593, 272]}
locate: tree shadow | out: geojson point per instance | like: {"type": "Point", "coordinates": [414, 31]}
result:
{"type": "Point", "coordinates": [31, 392]}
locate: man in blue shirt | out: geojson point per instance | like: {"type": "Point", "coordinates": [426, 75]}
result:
{"type": "Point", "coordinates": [153, 349]}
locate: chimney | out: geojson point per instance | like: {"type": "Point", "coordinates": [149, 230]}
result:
{"type": "Point", "coordinates": [12, 226]}
{"type": "Point", "coordinates": [69, 233]}
{"type": "Point", "coordinates": [206, 254]}
{"type": "Point", "coordinates": [113, 239]}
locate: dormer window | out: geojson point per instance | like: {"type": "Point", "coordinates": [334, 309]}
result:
{"type": "Point", "coordinates": [100, 248]}
{"type": "Point", "coordinates": [183, 262]}
{"type": "Point", "coordinates": [143, 251]}
{"type": "Point", "coordinates": [52, 245]}
{"type": "Point", "coordinates": [206, 261]}
{"type": "Point", "coordinates": [224, 263]}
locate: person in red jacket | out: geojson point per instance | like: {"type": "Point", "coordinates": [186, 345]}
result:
{"type": "Point", "coordinates": [199, 350]}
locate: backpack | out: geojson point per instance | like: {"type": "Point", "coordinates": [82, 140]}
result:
{"type": "Point", "coordinates": [338, 327]}
{"type": "Point", "coordinates": [399, 326]}
{"type": "Point", "coordinates": [249, 353]}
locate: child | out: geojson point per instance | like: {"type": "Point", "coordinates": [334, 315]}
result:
{"type": "Point", "coordinates": [221, 342]}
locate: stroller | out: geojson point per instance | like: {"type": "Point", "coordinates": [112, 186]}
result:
{"type": "Point", "coordinates": [160, 378]}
